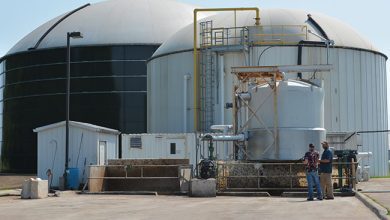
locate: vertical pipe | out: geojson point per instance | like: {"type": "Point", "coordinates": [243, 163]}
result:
{"type": "Point", "coordinates": [299, 61]}
{"type": "Point", "coordinates": [185, 93]}
{"type": "Point", "coordinates": [235, 27]}
{"type": "Point", "coordinates": [195, 73]}
{"type": "Point", "coordinates": [222, 88]}
{"type": "Point", "coordinates": [225, 132]}
{"type": "Point", "coordinates": [327, 52]}
{"type": "Point", "coordinates": [353, 174]}
{"type": "Point", "coordinates": [276, 115]}
{"type": "Point", "coordinates": [235, 128]}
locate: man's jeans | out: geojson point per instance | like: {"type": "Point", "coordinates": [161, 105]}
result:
{"type": "Point", "coordinates": [313, 179]}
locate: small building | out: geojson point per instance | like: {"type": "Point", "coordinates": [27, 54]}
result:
{"type": "Point", "coordinates": [159, 146]}
{"type": "Point", "coordinates": [171, 146]}
{"type": "Point", "coordinates": [88, 144]}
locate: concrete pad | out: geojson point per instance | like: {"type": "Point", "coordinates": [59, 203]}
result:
{"type": "Point", "coordinates": [94, 207]}
{"type": "Point", "coordinates": [203, 187]}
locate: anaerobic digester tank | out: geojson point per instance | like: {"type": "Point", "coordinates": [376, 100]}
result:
{"type": "Point", "coordinates": [358, 75]}
{"type": "Point", "coordinates": [299, 117]}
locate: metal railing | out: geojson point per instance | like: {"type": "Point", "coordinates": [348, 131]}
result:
{"type": "Point", "coordinates": [224, 36]}
{"type": "Point", "coordinates": [254, 35]}
{"type": "Point", "coordinates": [278, 34]}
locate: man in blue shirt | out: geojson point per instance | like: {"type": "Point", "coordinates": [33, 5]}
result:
{"type": "Point", "coordinates": [326, 171]}
{"type": "Point", "coordinates": [311, 162]}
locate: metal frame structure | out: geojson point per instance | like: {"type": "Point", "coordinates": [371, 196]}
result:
{"type": "Point", "coordinates": [126, 168]}
{"type": "Point", "coordinates": [266, 75]}
{"type": "Point", "coordinates": [196, 76]}
{"type": "Point", "coordinates": [223, 176]}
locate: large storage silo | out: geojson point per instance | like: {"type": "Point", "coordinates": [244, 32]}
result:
{"type": "Point", "coordinates": [108, 72]}
{"type": "Point", "coordinates": [355, 89]}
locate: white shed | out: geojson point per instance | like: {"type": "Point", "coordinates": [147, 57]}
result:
{"type": "Point", "coordinates": [88, 144]}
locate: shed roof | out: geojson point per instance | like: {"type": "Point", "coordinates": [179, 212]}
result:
{"type": "Point", "coordinates": [83, 125]}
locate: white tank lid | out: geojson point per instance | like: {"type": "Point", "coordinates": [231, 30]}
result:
{"type": "Point", "coordinates": [114, 22]}
{"type": "Point", "coordinates": [342, 34]}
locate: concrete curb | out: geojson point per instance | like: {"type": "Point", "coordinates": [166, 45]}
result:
{"type": "Point", "coordinates": [304, 194]}
{"type": "Point", "coordinates": [142, 193]}
{"type": "Point", "coordinates": [245, 194]}
{"type": "Point", "coordinates": [380, 211]}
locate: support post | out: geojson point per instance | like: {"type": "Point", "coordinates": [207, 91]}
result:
{"type": "Point", "coordinates": [67, 109]}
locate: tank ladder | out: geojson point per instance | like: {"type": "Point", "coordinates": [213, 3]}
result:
{"type": "Point", "coordinates": [207, 76]}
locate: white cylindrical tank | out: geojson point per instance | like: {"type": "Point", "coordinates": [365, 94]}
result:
{"type": "Point", "coordinates": [355, 93]}
{"type": "Point", "coordinates": [299, 116]}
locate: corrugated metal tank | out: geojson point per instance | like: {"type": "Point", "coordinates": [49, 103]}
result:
{"type": "Point", "coordinates": [108, 72]}
{"type": "Point", "coordinates": [355, 89]}
{"type": "Point", "coordinates": [300, 119]}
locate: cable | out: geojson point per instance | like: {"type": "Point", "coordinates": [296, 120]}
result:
{"type": "Point", "coordinates": [78, 155]}
{"type": "Point", "coordinates": [258, 60]}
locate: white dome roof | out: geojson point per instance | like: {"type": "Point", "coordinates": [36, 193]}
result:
{"type": "Point", "coordinates": [342, 34]}
{"type": "Point", "coordinates": [114, 22]}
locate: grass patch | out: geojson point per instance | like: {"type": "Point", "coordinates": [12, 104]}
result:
{"type": "Point", "coordinates": [388, 176]}
{"type": "Point", "coordinates": [388, 210]}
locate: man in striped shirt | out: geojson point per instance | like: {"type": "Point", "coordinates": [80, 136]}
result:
{"type": "Point", "coordinates": [311, 162]}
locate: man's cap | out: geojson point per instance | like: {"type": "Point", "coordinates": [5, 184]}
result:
{"type": "Point", "coordinates": [324, 143]}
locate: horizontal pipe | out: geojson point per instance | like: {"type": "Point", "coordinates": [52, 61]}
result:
{"type": "Point", "coordinates": [239, 137]}
{"type": "Point", "coordinates": [364, 154]}
{"type": "Point", "coordinates": [246, 96]}
{"type": "Point", "coordinates": [221, 127]}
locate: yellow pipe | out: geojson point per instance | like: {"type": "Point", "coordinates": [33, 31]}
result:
{"type": "Point", "coordinates": [257, 18]}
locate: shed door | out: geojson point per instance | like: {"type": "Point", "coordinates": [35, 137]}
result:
{"type": "Point", "coordinates": [102, 152]}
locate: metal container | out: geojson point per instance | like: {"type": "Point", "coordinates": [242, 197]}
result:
{"type": "Point", "coordinates": [299, 120]}
{"type": "Point", "coordinates": [72, 178]}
